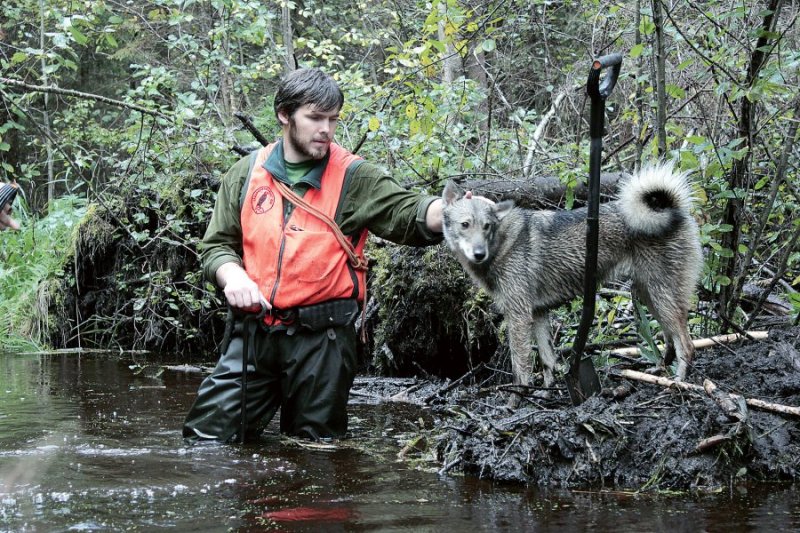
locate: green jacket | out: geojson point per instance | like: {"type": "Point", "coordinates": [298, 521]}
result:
{"type": "Point", "coordinates": [372, 200]}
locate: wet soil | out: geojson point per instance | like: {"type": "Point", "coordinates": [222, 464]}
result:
{"type": "Point", "coordinates": [635, 436]}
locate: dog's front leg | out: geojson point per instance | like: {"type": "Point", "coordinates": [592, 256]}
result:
{"type": "Point", "coordinates": [544, 341]}
{"type": "Point", "coordinates": [519, 341]}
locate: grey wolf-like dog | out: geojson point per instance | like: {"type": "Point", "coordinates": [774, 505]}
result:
{"type": "Point", "coordinates": [532, 261]}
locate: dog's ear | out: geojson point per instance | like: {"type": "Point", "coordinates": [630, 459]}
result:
{"type": "Point", "coordinates": [452, 192]}
{"type": "Point", "coordinates": [503, 208]}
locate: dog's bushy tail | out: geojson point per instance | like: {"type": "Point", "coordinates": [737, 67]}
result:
{"type": "Point", "coordinates": [656, 199]}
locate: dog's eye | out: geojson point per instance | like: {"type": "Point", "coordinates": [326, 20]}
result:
{"type": "Point", "coordinates": [465, 225]}
{"type": "Point", "coordinates": [486, 226]}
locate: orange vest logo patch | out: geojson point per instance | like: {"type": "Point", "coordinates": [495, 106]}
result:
{"type": "Point", "coordinates": [262, 200]}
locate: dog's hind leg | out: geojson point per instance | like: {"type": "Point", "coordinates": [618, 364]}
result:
{"type": "Point", "coordinates": [544, 342]}
{"type": "Point", "coordinates": [676, 330]}
{"type": "Point", "coordinates": [673, 316]}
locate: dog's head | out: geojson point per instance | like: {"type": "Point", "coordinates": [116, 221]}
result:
{"type": "Point", "coordinates": [470, 224]}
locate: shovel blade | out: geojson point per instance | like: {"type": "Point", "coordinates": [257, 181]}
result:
{"type": "Point", "coordinates": [582, 381]}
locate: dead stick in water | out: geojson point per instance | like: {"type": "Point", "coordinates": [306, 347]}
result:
{"type": "Point", "coordinates": [701, 343]}
{"type": "Point", "coordinates": [664, 382]}
{"type": "Point", "coordinates": [451, 386]}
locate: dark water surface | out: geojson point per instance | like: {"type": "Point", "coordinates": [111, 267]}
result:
{"type": "Point", "coordinates": [92, 443]}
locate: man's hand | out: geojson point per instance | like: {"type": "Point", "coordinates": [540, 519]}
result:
{"type": "Point", "coordinates": [241, 292]}
{"type": "Point", "coordinates": [5, 218]}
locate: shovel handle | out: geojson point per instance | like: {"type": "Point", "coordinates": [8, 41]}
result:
{"type": "Point", "coordinates": [613, 62]}
{"type": "Point", "coordinates": [582, 380]}
{"type": "Point", "coordinates": [250, 320]}
{"type": "Point", "coordinates": [247, 315]}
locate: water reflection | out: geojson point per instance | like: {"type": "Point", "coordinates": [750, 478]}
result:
{"type": "Point", "coordinates": [92, 443]}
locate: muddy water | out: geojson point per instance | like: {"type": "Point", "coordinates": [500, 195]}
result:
{"type": "Point", "coordinates": [92, 443]}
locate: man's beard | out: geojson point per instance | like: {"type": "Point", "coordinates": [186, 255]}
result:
{"type": "Point", "coordinates": [305, 148]}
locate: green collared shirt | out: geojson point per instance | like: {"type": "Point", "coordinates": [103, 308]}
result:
{"type": "Point", "coordinates": [372, 200]}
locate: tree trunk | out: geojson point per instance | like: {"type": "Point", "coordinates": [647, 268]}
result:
{"type": "Point", "coordinates": [740, 177]}
{"type": "Point", "coordinates": [777, 181]}
{"type": "Point", "coordinates": [451, 62]}
{"type": "Point", "coordinates": [639, 128]}
{"type": "Point", "coordinates": [226, 92]}
{"type": "Point", "coordinates": [51, 183]}
{"type": "Point", "coordinates": [661, 77]}
{"type": "Point", "coordinates": [291, 61]}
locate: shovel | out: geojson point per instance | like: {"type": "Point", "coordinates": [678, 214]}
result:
{"type": "Point", "coordinates": [582, 380]}
{"type": "Point", "coordinates": [250, 324]}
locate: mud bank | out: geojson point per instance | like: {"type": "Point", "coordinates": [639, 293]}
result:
{"type": "Point", "coordinates": [635, 436]}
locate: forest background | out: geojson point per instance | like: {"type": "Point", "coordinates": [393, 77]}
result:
{"type": "Point", "coordinates": [119, 118]}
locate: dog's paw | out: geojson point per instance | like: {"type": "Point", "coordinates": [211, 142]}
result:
{"type": "Point", "coordinates": [543, 395]}
{"type": "Point", "coordinates": [514, 401]}
{"type": "Point", "coordinates": [681, 371]}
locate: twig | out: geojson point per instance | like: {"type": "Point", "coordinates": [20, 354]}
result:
{"type": "Point", "coordinates": [403, 395]}
{"type": "Point", "coordinates": [733, 407]}
{"type": "Point", "coordinates": [81, 351]}
{"type": "Point", "coordinates": [664, 382]}
{"type": "Point", "coordinates": [711, 442]}
{"type": "Point", "coordinates": [248, 124]}
{"type": "Point", "coordinates": [537, 135]}
{"type": "Point", "coordinates": [452, 385]}
{"type": "Point", "coordinates": [702, 343]}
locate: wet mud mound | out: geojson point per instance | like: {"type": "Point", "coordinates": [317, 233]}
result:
{"type": "Point", "coordinates": [635, 436]}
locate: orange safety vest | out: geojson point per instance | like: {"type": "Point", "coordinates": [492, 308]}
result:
{"type": "Point", "coordinates": [298, 261]}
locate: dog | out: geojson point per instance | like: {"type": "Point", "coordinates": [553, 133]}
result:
{"type": "Point", "coordinates": [533, 261]}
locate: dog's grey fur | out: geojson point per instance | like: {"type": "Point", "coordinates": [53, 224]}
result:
{"type": "Point", "coordinates": [533, 261]}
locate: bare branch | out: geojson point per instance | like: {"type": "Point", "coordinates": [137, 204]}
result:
{"type": "Point", "coordinates": [49, 89]}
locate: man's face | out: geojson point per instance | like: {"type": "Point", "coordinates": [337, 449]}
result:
{"type": "Point", "coordinates": [310, 132]}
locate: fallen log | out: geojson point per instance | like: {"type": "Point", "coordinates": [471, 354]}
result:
{"type": "Point", "coordinates": [541, 192]}
{"type": "Point", "coordinates": [700, 343]}
{"type": "Point", "coordinates": [669, 383]}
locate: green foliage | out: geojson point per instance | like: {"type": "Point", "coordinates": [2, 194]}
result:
{"type": "Point", "coordinates": [26, 257]}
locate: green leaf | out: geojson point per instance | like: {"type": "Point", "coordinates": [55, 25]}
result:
{"type": "Point", "coordinates": [637, 50]}
{"type": "Point", "coordinates": [646, 26]}
{"type": "Point", "coordinates": [374, 124]}
{"type": "Point", "coordinates": [78, 36]}
{"type": "Point", "coordinates": [489, 45]}
{"type": "Point", "coordinates": [689, 160]}
{"type": "Point", "coordinates": [18, 57]}
{"type": "Point", "coordinates": [112, 42]}
{"type": "Point", "coordinates": [675, 91]}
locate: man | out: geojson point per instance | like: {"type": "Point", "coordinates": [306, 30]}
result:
{"type": "Point", "coordinates": [265, 250]}
{"type": "Point", "coordinates": [7, 194]}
